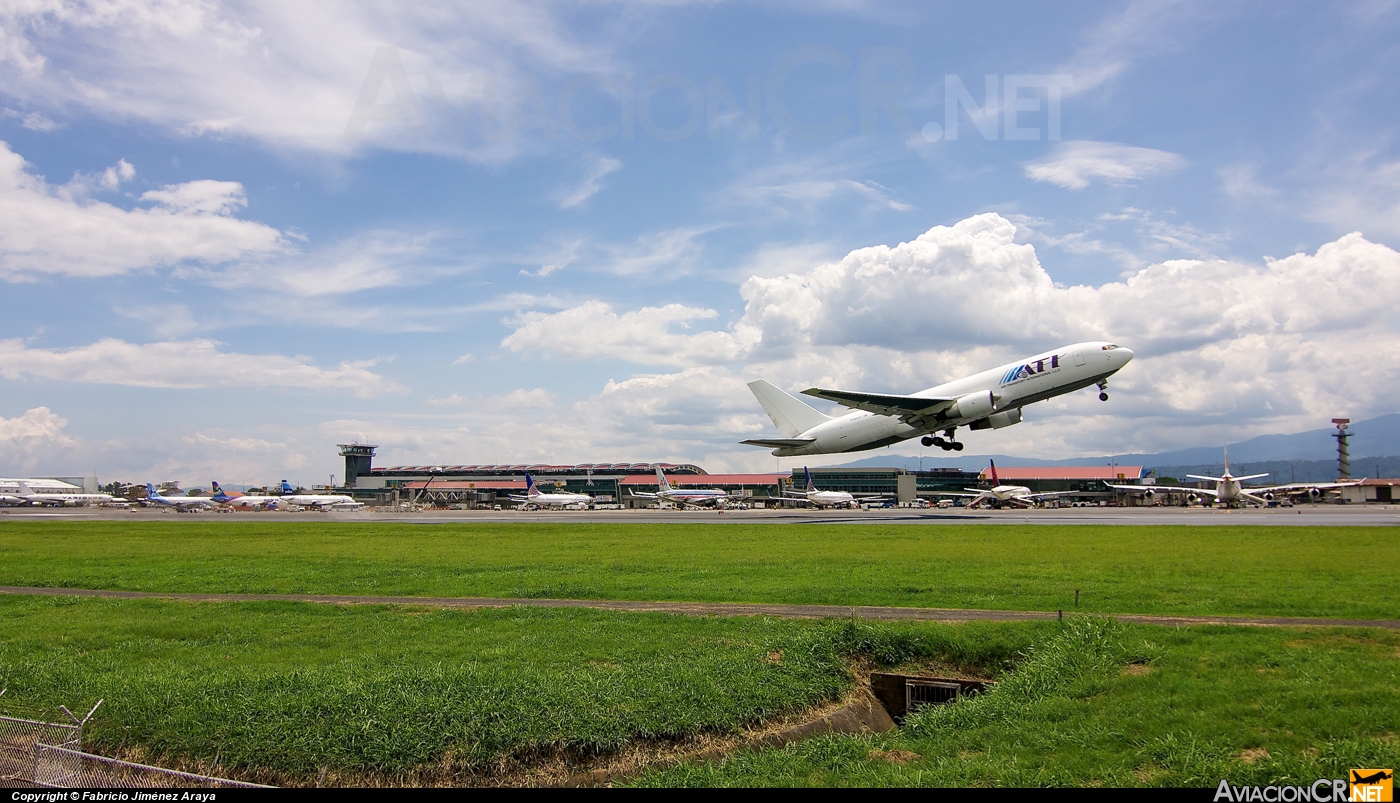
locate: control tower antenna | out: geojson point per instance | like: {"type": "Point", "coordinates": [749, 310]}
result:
{"type": "Point", "coordinates": [1343, 456]}
{"type": "Point", "coordinates": [358, 457]}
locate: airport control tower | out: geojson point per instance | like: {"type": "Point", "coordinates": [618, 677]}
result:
{"type": "Point", "coordinates": [358, 457]}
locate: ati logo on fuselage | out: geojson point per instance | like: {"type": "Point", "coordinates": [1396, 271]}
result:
{"type": "Point", "coordinates": [1031, 369]}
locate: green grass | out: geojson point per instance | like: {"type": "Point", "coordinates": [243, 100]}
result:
{"type": "Point", "coordinates": [289, 688]}
{"type": "Point", "coordinates": [1318, 702]}
{"type": "Point", "coordinates": [1298, 571]}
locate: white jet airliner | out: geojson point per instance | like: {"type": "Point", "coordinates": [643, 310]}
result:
{"type": "Point", "coordinates": [29, 497]}
{"type": "Point", "coordinates": [533, 496]}
{"type": "Point", "coordinates": [829, 498]}
{"type": "Point", "coordinates": [989, 400]}
{"type": "Point", "coordinates": [999, 494]}
{"type": "Point", "coordinates": [683, 496]}
{"type": "Point", "coordinates": [1230, 492]}
{"type": "Point", "coordinates": [180, 503]}
{"type": "Point", "coordinates": [243, 501]}
{"type": "Point", "coordinates": [320, 501]}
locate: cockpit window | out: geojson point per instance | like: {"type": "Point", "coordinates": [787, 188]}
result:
{"type": "Point", "coordinates": [1110, 347]}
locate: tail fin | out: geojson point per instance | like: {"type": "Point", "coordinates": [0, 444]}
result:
{"type": "Point", "coordinates": [790, 415]}
{"type": "Point", "coordinates": [661, 483]}
{"type": "Point", "coordinates": [218, 494]}
{"type": "Point", "coordinates": [1227, 461]}
{"type": "Point", "coordinates": [995, 481]}
{"type": "Point", "coordinates": [287, 488]}
{"type": "Point", "coordinates": [24, 489]}
{"type": "Point", "coordinates": [151, 491]}
{"type": "Point", "coordinates": [810, 485]}
{"type": "Point", "coordinates": [530, 489]}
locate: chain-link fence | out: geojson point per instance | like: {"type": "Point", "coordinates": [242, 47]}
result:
{"type": "Point", "coordinates": [18, 738]}
{"type": "Point", "coordinates": [66, 768]}
{"type": "Point", "coordinates": [49, 754]}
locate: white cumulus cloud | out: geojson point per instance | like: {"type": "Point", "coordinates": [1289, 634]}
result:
{"type": "Point", "coordinates": [1077, 164]}
{"type": "Point", "coordinates": [1249, 348]}
{"type": "Point", "coordinates": [56, 230]}
{"type": "Point", "coordinates": [183, 364]}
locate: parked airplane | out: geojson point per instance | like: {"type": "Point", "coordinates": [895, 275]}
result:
{"type": "Point", "coordinates": [990, 400]}
{"type": "Point", "coordinates": [243, 501]}
{"type": "Point", "coordinates": [1230, 491]}
{"type": "Point", "coordinates": [533, 496]}
{"type": "Point", "coordinates": [999, 494]}
{"type": "Point", "coordinates": [61, 499]}
{"type": "Point", "coordinates": [829, 498]}
{"type": "Point", "coordinates": [321, 501]}
{"type": "Point", "coordinates": [180, 503]}
{"type": "Point", "coordinates": [682, 496]}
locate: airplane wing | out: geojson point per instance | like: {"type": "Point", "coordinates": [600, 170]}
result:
{"type": "Point", "coordinates": [1138, 488]}
{"type": "Point", "coordinates": [1304, 486]}
{"type": "Point", "coordinates": [881, 403]}
{"type": "Point", "coordinates": [778, 443]}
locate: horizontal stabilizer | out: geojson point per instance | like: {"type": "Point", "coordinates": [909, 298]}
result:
{"type": "Point", "coordinates": [880, 403]}
{"type": "Point", "coordinates": [778, 443]}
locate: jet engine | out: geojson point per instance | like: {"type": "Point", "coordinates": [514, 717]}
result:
{"type": "Point", "coordinates": [1149, 494]}
{"type": "Point", "coordinates": [1315, 493]}
{"type": "Point", "coordinates": [1268, 496]}
{"type": "Point", "coordinates": [998, 420]}
{"type": "Point", "coordinates": [973, 405]}
{"type": "Point", "coordinates": [1193, 499]}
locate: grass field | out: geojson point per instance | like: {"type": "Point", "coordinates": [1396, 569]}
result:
{"type": "Point", "coordinates": [281, 690]}
{"type": "Point", "coordinates": [1112, 705]}
{"type": "Point", "coordinates": [1290, 571]}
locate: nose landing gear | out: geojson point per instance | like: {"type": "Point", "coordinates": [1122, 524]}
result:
{"type": "Point", "coordinates": [945, 445]}
{"type": "Point", "coordinates": [1103, 390]}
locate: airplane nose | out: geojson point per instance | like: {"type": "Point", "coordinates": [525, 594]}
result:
{"type": "Point", "coordinates": [1125, 355]}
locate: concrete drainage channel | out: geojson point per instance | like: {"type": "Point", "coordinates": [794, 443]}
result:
{"type": "Point", "coordinates": [879, 708]}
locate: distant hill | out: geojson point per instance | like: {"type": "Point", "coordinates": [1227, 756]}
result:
{"type": "Point", "coordinates": [1374, 443]}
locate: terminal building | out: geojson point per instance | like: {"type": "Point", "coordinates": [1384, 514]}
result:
{"type": "Point", "coordinates": [618, 483]}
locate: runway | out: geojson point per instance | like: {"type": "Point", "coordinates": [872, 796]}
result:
{"type": "Point", "coordinates": [1306, 515]}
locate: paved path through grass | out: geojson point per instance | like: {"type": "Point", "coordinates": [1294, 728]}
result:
{"type": "Point", "coordinates": [707, 608]}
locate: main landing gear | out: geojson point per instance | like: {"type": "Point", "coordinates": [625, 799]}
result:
{"type": "Point", "coordinates": [945, 445]}
{"type": "Point", "coordinates": [1103, 390]}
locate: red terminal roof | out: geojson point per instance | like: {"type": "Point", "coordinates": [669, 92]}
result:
{"type": "Point", "coordinates": [706, 479]}
{"type": "Point", "coordinates": [1064, 473]}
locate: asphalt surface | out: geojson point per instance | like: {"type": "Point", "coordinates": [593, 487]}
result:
{"type": "Point", "coordinates": [709, 608]}
{"type": "Point", "coordinates": [1303, 515]}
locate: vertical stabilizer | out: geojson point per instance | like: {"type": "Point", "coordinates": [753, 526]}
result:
{"type": "Point", "coordinates": [24, 489]}
{"type": "Point", "coordinates": [790, 415]}
{"type": "Point", "coordinates": [811, 486]}
{"type": "Point", "coordinates": [661, 483]}
{"type": "Point", "coordinates": [1227, 461]}
{"type": "Point", "coordinates": [996, 482]}
{"type": "Point", "coordinates": [530, 489]}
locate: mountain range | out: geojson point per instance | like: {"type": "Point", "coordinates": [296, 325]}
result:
{"type": "Point", "coordinates": [1304, 457]}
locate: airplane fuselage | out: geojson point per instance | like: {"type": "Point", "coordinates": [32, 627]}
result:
{"type": "Point", "coordinates": [558, 500]}
{"type": "Point", "coordinates": [1011, 386]}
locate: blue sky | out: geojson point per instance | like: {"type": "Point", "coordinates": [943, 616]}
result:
{"type": "Point", "coordinates": [234, 234]}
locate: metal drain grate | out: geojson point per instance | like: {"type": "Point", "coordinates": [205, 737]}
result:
{"type": "Point", "coordinates": [919, 693]}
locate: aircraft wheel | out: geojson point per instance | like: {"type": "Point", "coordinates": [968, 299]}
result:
{"type": "Point", "coordinates": [957, 447]}
{"type": "Point", "coordinates": [927, 441]}
{"type": "Point", "coordinates": [1103, 397]}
